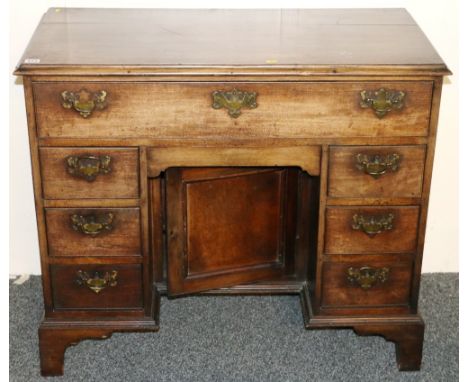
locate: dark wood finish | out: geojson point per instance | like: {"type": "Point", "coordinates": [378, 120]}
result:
{"type": "Point", "coordinates": [216, 202]}
{"type": "Point", "coordinates": [355, 202]}
{"type": "Point", "coordinates": [284, 39]}
{"type": "Point", "coordinates": [38, 201]}
{"type": "Point", "coordinates": [346, 180]}
{"type": "Point", "coordinates": [340, 237]}
{"type": "Point", "coordinates": [53, 343]}
{"type": "Point", "coordinates": [147, 271]}
{"type": "Point", "coordinates": [227, 226]}
{"type": "Point", "coordinates": [182, 110]}
{"type": "Point", "coordinates": [286, 285]}
{"type": "Point", "coordinates": [55, 337]}
{"type": "Point", "coordinates": [301, 215]}
{"type": "Point", "coordinates": [90, 203]}
{"type": "Point", "coordinates": [406, 331]}
{"type": "Point", "coordinates": [426, 191]}
{"type": "Point", "coordinates": [339, 292]}
{"type": "Point", "coordinates": [307, 226]}
{"type": "Point", "coordinates": [408, 341]}
{"type": "Point", "coordinates": [158, 230]}
{"type": "Point", "coordinates": [68, 294]}
{"type": "Point", "coordinates": [285, 230]}
{"type": "Point", "coordinates": [321, 226]}
{"type": "Point", "coordinates": [123, 239]}
{"type": "Point", "coordinates": [121, 182]}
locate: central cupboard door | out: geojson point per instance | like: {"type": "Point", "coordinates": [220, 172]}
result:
{"type": "Point", "coordinates": [228, 226]}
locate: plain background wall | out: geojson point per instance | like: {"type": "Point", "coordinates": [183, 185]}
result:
{"type": "Point", "coordinates": [438, 19]}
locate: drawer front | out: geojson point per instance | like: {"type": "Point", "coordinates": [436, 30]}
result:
{"type": "Point", "coordinates": [378, 172]}
{"type": "Point", "coordinates": [366, 283]}
{"type": "Point", "coordinates": [84, 173]}
{"type": "Point", "coordinates": [93, 232]}
{"type": "Point", "coordinates": [97, 286]}
{"type": "Point", "coordinates": [371, 229]}
{"type": "Point", "coordinates": [295, 110]}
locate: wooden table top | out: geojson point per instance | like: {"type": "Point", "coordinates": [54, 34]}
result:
{"type": "Point", "coordinates": [79, 40]}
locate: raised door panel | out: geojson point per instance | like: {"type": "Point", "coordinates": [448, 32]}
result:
{"type": "Point", "coordinates": [227, 226]}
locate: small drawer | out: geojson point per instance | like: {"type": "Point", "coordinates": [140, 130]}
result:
{"type": "Point", "coordinates": [371, 229]}
{"type": "Point", "coordinates": [232, 109]}
{"type": "Point", "coordinates": [93, 231]}
{"type": "Point", "coordinates": [85, 173]}
{"type": "Point", "coordinates": [367, 282]}
{"type": "Point", "coordinates": [97, 286]}
{"type": "Point", "coordinates": [376, 171]}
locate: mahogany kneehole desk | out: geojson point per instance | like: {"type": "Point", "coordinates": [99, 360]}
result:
{"type": "Point", "coordinates": [187, 155]}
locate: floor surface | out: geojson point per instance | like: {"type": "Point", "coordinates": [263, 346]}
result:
{"type": "Point", "coordinates": [207, 338]}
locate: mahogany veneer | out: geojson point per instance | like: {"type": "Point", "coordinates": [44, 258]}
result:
{"type": "Point", "coordinates": [186, 154]}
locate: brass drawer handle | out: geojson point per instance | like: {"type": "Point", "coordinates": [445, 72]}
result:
{"type": "Point", "coordinates": [382, 100]}
{"type": "Point", "coordinates": [92, 224]}
{"type": "Point", "coordinates": [84, 101]}
{"type": "Point", "coordinates": [88, 166]}
{"type": "Point", "coordinates": [366, 277]}
{"type": "Point", "coordinates": [97, 283]}
{"type": "Point", "coordinates": [372, 225]}
{"type": "Point", "coordinates": [234, 101]}
{"type": "Point", "coordinates": [377, 165]}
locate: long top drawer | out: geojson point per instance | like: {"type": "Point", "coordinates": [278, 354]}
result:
{"type": "Point", "coordinates": [241, 110]}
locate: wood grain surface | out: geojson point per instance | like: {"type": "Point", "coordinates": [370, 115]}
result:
{"type": "Point", "coordinates": [124, 239]}
{"type": "Point", "coordinates": [339, 292]}
{"type": "Point", "coordinates": [253, 38]}
{"type": "Point", "coordinates": [68, 294]}
{"type": "Point", "coordinates": [347, 181]}
{"type": "Point", "coordinates": [121, 182]}
{"type": "Point", "coordinates": [340, 237]}
{"type": "Point", "coordinates": [243, 230]}
{"type": "Point", "coordinates": [184, 110]}
{"type": "Point", "coordinates": [305, 157]}
{"type": "Point", "coordinates": [227, 226]}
